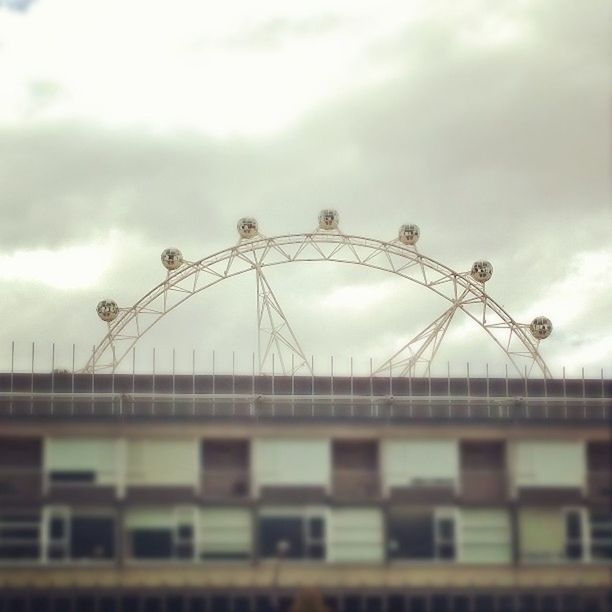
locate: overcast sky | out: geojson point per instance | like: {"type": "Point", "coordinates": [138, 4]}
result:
{"type": "Point", "coordinates": [127, 127]}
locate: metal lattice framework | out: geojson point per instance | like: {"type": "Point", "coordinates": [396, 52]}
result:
{"type": "Point", "coordinates": [254, 252]}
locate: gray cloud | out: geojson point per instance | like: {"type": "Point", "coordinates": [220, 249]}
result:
{"type": "Point", "coordinates": [21, 6]}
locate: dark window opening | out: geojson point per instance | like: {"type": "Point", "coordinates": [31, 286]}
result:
{"type": "Point", "coordinates": [446, 551]}
{"type": "Point", "coordinates": [483, 604]}
{"type": "Point", "coordinates": [151, 543]}
{"type": "Point", "coordinates": [92, 538]}
{"type": "Point", "coordinates": [18, 552]}
{"type": "Point", "coordinates": [19, 535]}
{"type": "Point", "coordinates": [85, 604]}
{"type": "Point", "coordinates": [601, 535]}
{"type": "Point", "coordinates": [316, 551]}
{"type": "Point", "coordinates": [418, 604]}
{"type": "Point", "coordinates": [69, 476]}
{"type": "Point", "coordinates": [573, 526]}
{"type": "Point", "coordinates": [316, 527]}
{"type": "Point", "coordinates": [411, 536]}
{"type": "Point", "coordinates": [446, 529]}
{"type": "Point", "coordinates": [56, 552]}
{"type": "Point", "coordinates": [573, 534]}
{"type": "Point", "coordinates": [224, 556]}
{"type": "Point", "coordinates": [282, 536]}
{"type": "Point", "coordinates": [19, 532]}
{"type": "Point", "coordinates": [39, 604]}
{"type": "Point", "coordinates": [57, 528]}
{"type": "Point", "coordinates": [440, 603]}
{"type": "Point", "coordinates": [152, 604]}
{"type": "Point", "coordinates": [292, 537]}
{"type": "Point", "coordinates": [183, 550]}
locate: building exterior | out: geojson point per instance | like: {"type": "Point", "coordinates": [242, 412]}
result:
{"type": "Point", "coordinates": [235, 493]}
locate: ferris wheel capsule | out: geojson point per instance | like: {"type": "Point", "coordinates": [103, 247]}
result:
{"type": "Point", "coordinates": [247, 227]}
{"type": "Point", "coordinates": [541, 328]}
{"type": "Point", "coordinates": [107, 310]}
{"type": "Point", "coordinates": [481, 271]}
{"type": "Point", "coordinates": [172, 258]}
{"type": "Point", "coordinates": [409, 234]}
{"type": "Point", "coordinates": [328, 219]}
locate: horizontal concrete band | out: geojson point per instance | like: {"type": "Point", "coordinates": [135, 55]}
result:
{"type": "Point", "coordinates": [300, 575]}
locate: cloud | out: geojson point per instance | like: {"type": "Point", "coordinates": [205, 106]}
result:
{"type": "Point", "coordinates": [21, 6]}
{"type": "Point", "coordinates": [486, 126]}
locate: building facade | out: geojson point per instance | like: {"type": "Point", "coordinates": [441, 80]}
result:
{"type": "Point", "coordinates": [235, 493]}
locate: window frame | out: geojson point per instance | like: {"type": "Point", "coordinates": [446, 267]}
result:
{"type": "Point", "coordinates": [66, 514]}
{"type": "Point", "coordinates": [23, 524]}
{"type": "Point", "coordinates": [593, 542]}
{"type": "Point", "coordinates": [173, 526]}
{"type": "Point", "coordinates": [441, 514]}
{"type": "Point", "coordinates": [305, 515]}
{"type": "Point", "coordinates": [585, 534]}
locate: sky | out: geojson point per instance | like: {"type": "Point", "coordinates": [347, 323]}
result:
{"type": "Point", "coordinates": [128, 127]}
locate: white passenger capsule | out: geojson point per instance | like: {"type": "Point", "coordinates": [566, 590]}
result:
{"type": "Point", "coordinates": [107, 310]}
{"type": "Point", "coordinates": [172, 258]}
{"type": "Point", "coordinates": [247, 227]}
{"type": "Point", "coordinates": [328, 219]}
{"type": "Point", "coordinates": [541, 328]}
{"type": "Point", "coordinates": [481, 271]}
{"type": "Point", "coordinates": [409, 234]}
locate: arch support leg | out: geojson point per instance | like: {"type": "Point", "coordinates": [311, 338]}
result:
{"type": "Point", "coordinates": [274, 333]}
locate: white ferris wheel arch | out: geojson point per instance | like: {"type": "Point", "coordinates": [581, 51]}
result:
{"type": "Point", "coordinates": [275, 335]}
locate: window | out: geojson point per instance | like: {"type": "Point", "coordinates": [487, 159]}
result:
{"type": "Point", "coordinates": [89, 461]}
{"type": "Point", "coordinates": [543, 463]}
{"type": "Point", "coordinates": [292, 462]}
{"type": "Point", "coordinates": [151, 543]}
{"type": "Point", "coordinates": [315, 538]}
{"type": "Point", "coordinates": [445, 535]}
{"type": "Point", "coordinates": [225, 533]}
{"type": "Point", "coordinates": [601, 536]}
{"type": "Point", "coordinates": [184, 533]}
{"type": "Point", "coordinates": [411, 535]}
{"type": "Point", "coordinates": [293, 536]}
{"type": "Point", "coordinates": [422, 534]}
{"type": "Point", "coordinates": [156, 533]}
{"type": "Point", "coordinates": [588, 536]}
{"type": "Point", "coordinates": [420, 463]}
{"type": "Point", "coordinates": [356, 535]}
{"type": "Point", "coordinates": [574, 534]}
{"type": "Point", "coordinates": [19, 536]}
{"type": "Point", "coordinates": [79, 535]}
{"type": "Point", "coordinates": [486, 536]}
{"type": "Point", "coordinates": [162, 463]}
{"type": "Point", "coordinates": [58, 524]}
{"type": "Point", "coordinates": [542, 535]}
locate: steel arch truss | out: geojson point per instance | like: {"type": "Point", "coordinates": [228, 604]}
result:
{"type": "Point", "coordinates": [459, 290]}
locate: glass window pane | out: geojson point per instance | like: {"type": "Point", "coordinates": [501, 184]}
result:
{"type": "Point", "coordinates": [411, 536]}
{"type": "Point", "coordinates": [316, 528]}
{"type": "Point", "coordinates": [573, 526]}
{"type": "Point", "coordinates": [316, 551]}
{"type": "Point", "coordinates": [601, 551]}
{"type": "Point", "coordinates": [92, 538]}
{"type": "Point", "coordinates": [185, 532]}
{"type": "Point", "coordinates": [446, 551]}
{"type": "Point", "coordinates": [281, 536]}
{"type": "Point", "coordinates": [574, 551]}
{"type": "Point", "coordinates": [446, 529]}
{"type": "Point", "coordinates": [151, 543]}
{"type": "Point", "coordinates": [57, 528]}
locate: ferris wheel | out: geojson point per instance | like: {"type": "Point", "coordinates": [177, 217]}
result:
{"type": "Point", "coordinates": [461, 291]}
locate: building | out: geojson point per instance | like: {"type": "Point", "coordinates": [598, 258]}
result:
{"type": "Point", "coordinates": [234, 493]}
